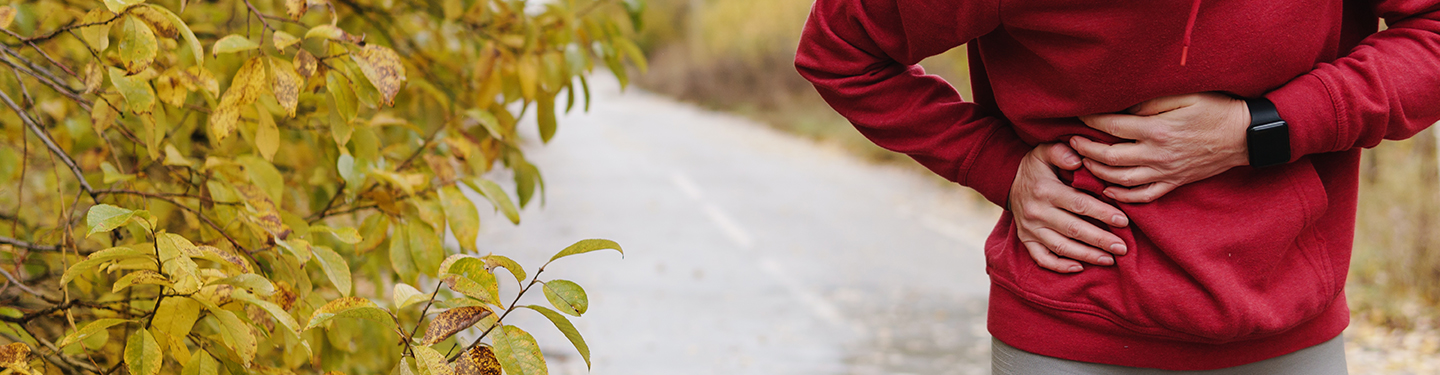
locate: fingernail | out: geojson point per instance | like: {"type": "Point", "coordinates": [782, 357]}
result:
{"type": "Point", "coordinates": [1107, 260]}
{"type": "Point", "coordinates": [1075, 268]}
{"type": "Point", "coordinates": [1118, 249]}
{"type": "Point", "coordinates": [1119, 220]}
{"type": "Point", "coordinates": [1110, 194]}
{"type": "Point", "coordinates": [1071, 159]}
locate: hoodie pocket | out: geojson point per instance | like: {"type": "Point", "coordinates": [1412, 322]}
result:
{"type": "Point", "coordinates": [1232, 257]}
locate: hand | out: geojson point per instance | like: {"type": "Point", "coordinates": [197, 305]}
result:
{"type": "Point", "coordinates": [1047, 213]}
{"type": "Point", "coordinates": [1178, 140]}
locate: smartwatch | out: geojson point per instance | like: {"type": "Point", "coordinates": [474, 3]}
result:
{"type": "Point", "coordinates": [1268, 137]}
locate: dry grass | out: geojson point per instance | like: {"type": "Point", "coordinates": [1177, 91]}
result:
{"type": "Point", "coordinates": [735, 55]}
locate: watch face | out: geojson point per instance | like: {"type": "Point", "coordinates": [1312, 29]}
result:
{"type": "Point", "coordinates": [1269, 144]}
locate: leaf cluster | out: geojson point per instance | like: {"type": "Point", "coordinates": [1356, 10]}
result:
{"type": "Point", "coordinates": [183, 184]}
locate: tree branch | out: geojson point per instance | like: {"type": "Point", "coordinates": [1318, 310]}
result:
{"type": "Point", "coordinates": [49, 143]}
{"type": "Point", "coordinates": [27, 245]}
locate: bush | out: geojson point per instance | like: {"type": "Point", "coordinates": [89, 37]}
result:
{"type": "Point", "coordinates": [230, 186]}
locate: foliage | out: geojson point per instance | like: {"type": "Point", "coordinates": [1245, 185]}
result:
{"type": "Point", "coordinates": [233, 186]}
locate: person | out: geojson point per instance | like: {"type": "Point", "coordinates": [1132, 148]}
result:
{"type": "Point", "coordinates": [1180, 177]}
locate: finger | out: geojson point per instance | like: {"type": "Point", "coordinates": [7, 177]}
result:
{"type": "Point", "coordinates": [1061, 155]}
{"type": "Point", "coordinates": [1074, 227]}
{"type": "Point", "coordinates": [1124, 176]}
{"type": "Point", "coordinates": [1123, 126]}
{"type": "Point", "coordinates": [1069, 248]}
{"type": "Point", "coordinates": [1163, 104]}
{"type": "Point", "coordinates": [1120, 154]}
{"type": "Point", "coordinates": [1142, 194]}
{"type": "Point", "coordinates": [1047, 260]}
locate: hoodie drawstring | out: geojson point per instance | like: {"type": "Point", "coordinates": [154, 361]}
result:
{"type": "Point", "coordinates": [1189, 26]}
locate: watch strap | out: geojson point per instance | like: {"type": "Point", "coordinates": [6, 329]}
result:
{"type": "Point", "coordinates": [1268, 136]}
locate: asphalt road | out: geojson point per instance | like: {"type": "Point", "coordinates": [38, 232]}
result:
{"type": "Point", "coordinates": [747, 251]}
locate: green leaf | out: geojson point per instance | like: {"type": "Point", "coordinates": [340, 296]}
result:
{"type": "Point", "coordinates": [473, 269]}
{"type": "Point", "coordinates": [252, 282]}
{"type": "Point", "coordinates": [431, 362]}
{"type": "Point", "coordinates": [137, 45]}
{"type": "Point", "coordinates": [136, 92]}
{"type": "Point", "coordinates": [406, 295]}
{"type": "Point", "coordinates": [118, 6]}
{"type": "Point", "coordinates": [89, 330]}
{"type": "Point", "coordinates": [567, 296]}
{"type": "Point", "coordinates": [400, 259]}
{"type": "Point", "coordinates": [335, 267]}
{"type": "Point", "coordinates": [345, 234]}
{"type": "Point", "coordinates": [425, 247]}
{"type": "Point", "coordinates": [142, 353]}
{"type": "Point", "coordinates": [105, 218]}
{"type": "Point", "coordinates": [545, 117]}
{"type": "Point", "coordinates": [585, 246]}
{"type": "Point", "coordinates": [518, 352]}
{"type": "Point", "coordinates": [327, 32]}
{"type": "Point", "coordinates": [461, 215]}
{"type": "Point", "coordinates": [451, 321]}
{"type": "Point", "coordinates": [233, 43]}
{"type": "Point", "coordinates": [349, 307]}
{"type": "Point", "coordinates": [264, 176]}
{"type": "Point", "coordinates": [568, 329]}
{"type": "Point", "coordinates": [497, 197]}
{"type": "Point", "coordinates": [184, 31]}
{"type": "Point", "coordinates": [492, 261]}
{"type": "Point", "coordinates": [201, 364]}
{"type": "Point", "coordinates": [375, 227]}
{"type": "Point", "coordinates": [275, 310]}
{"type": "Point", "coordinates": [526, 178]}
{"type": "Point", "coordinates": [346, 104]}
{"type": "Point", "coordinates": [470, 288]}
{"type": "Point", "coordinates": [487, 121]}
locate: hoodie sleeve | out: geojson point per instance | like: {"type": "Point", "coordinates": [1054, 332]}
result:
{"type": "Point", "coordinates": [861, 56]}
{"type": "Point", "coordinates": [1388, 87]}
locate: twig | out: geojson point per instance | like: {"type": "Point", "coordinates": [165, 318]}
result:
{"type": "Point", "coordinates": [17, 282]}
{"type": "Point", "coordinates": [534, 279]}
{"type": "Point", "coordinates": [44, 137]}
{"type": "Point", "coordinates": [27, 245]}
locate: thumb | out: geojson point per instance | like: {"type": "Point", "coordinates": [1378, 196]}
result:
{"type": "Point", "coordinates": [1163, 104]}
{"type": "Point", "coordinates": [1061, 155]}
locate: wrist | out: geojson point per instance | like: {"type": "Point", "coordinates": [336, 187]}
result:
{"type": "Point", "coordinates": [1267, 137]}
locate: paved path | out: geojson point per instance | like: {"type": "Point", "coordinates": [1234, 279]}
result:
{"type": "Point", "coordinates": [748, 251]}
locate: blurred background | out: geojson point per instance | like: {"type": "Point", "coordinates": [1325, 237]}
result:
{"type": "Point", "coordinates": [730, 62]}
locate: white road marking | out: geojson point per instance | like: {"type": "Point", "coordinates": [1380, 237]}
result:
{"type": "Point", "coordinates": [819, 306]}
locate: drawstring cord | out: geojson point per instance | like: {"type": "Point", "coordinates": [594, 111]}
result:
{"type": "Point", "coordinates": [1189, 26]}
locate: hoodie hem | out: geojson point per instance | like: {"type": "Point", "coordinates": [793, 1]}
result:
{"type": "Point", "coordinates": [1085, 337]}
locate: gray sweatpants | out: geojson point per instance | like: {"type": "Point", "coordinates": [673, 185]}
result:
{"type": "Point", "coordinates": [1327, 358]}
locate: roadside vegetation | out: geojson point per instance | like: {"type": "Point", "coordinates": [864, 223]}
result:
{"type": "Point", "coordinates": [736, 55]}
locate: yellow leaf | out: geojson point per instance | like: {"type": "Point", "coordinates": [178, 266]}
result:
{"type": "Point", "coordinates": [406, 295]}
{"type": "Point", "coordinates": [349, 307]}
{"type": "Point", "coordinates": [461, 214]}
{"type": "Point", "coordinates": [154, 134]}
{"type": "Point", "coordinates": [345, 102]}
{"type": "Point", "coordinates": [266, 216]}
{"type": "Point", "coordinates": [173, 157]}
{"type": "Point", "coordinates": [7, 15]}
{"type": "Point", "coordinates": [137, 45]}
{"type": "Point", "coordinates": [201, 364]}
{"type": "Point", "coordinates": [195, 49]}
{"type": "Point", "coordinates": [136, 92]}
{"type": "Point", "coordinates": [102, 115]}
{"type": "Point", "coordinates": [249, 81]}
{"type": "Point", "coordinates": [158, 21]}
{"type": "Point", "coordinates": [518, 352]}
{"type": "Point", "coordinates": [328, 32]}
{"type": "Point", "coordinates": [142, 353]}
{"type": "Point", "coordinates": [119, 6]}
{"type": "Point", "coordinates": [431, 362]}
{"type": "Point", "coordinates": [170, 88]}
{"type": "Point", "coordinates": [335, 268]}
{"type": "Point", "coordinates": [97, 36]}
{"type": "Point", "coordinates": [529, 74]}
{"type": "Point", "coordinates": [198, 78]}
{"type": "Point", "coordinates": [295, 8]}
{"type": "Point", "coordinates": [15, 356]}
{"type": "Point", "coordinates": [305, 63]}
{"type": "Point", "coordinates": [382, 67]}
{"type": "Point", "coordinates": [94, 75]}
{"type": "Point", "coordinates": [479, 360]}
{"type": "Point", "coordinates": [267, 136]}
{"type": "Point", "coordinates": [233, 43]}
{"type": "Point", "coordinates": [140, 277]}
{"type": "Point", "coordinates": [283, 40]}
{"type": "Point", "coordinates": [286, 86]}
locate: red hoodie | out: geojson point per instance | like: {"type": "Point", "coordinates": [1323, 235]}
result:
{"type": "Point", "coordinates": [1241, 267]}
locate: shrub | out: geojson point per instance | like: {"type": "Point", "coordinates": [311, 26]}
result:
{"type": "Point", "coordinates": [231, 186]}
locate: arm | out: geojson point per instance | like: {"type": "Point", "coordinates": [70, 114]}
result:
{"type": "Point", "coordinates": [861, 57]}
{"type": "Point", "coordinates": [1388, 87]}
